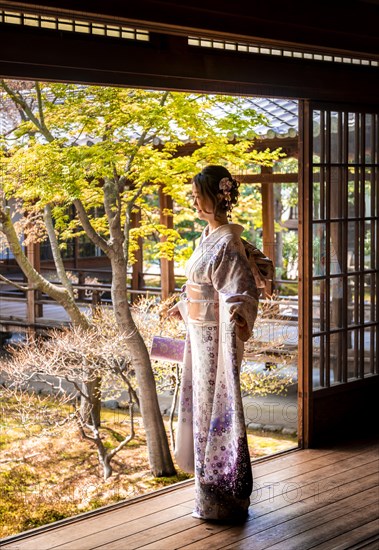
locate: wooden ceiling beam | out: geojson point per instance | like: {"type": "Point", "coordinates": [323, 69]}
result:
{"type": "Point", "coordinates": [324, 25]}
{"type": "Point", "coordinates": [288, 145]}
{"type": "Point", "coordinates": [168, 62]}
{"type": "Point", "coordinates": [267, 178]}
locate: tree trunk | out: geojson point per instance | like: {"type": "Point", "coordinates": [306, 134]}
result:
{"type": "Point", "coordinates": [160, 459]}
{"type": "Point", "coordinates": [57, 256]}
{"type": "Point", "coordinates": [60, 295]}
{"type": "Point", "coordinates": [158, 449]}
{"type": "Point", "coordinates": [90, 407]}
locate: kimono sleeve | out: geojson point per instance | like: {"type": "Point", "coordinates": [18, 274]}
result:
{"type": "Point", "coordinates": [234, 281]}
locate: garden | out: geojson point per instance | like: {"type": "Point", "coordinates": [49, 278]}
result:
{"type": "Point", "coordinates": [79, 162]}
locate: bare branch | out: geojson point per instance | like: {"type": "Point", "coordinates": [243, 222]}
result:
{"type": "Point", "coordinates": [173, 404]}
{"type": "Point", "coordinates": [90, 231]}
{"type": "Point", "coordinates": [16, 285]}
{"type": "Point", "coordinates": [114, 451]}
{"type": "Point", "coordinates": [20, 101]}
{"type": "Point", "coordinates": [77, 387]}
{"type": "Point", "coordinates": [22, 459]}
{"type": "Point", "coordinates": [82, 430]}
{"type": "Point", "coordinates": [131, 436]}
{"type": "Point", "coordinates": [40, 105]}
{"type": "Point", "coordinates": [112, 205]}
{"type": "Point", "coordinates": [142, 138]}
{"type": "Point", "coordinates": [125, 379]}
{"type": "Point", "coordinates": [128, 213]}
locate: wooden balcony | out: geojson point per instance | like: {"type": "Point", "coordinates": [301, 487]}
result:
{"type": "Point", "coordinates": [316, 498]}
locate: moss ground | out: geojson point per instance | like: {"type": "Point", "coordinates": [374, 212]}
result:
{"type": "Point", "coordinates": [50, 474]}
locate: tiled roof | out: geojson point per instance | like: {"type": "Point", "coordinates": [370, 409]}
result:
{"type": "Point", "coordinates": [282, 115]}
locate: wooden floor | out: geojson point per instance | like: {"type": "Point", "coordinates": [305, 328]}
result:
{"type": "Point", "coordinates": [325, 499]}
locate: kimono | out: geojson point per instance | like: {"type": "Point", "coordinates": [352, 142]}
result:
{"type": "Point", "coordinates": [211, 436]}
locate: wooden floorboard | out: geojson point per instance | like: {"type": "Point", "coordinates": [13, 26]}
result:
{"type": "Point", "coordinates": [322, 498]}
{"type": "Point", "coordinates": [264, 525]}
{"type": "Point", "coordinates": [364, 537]}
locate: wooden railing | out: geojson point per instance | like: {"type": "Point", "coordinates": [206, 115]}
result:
{"type": "Point", "coordinates": [93, 294]}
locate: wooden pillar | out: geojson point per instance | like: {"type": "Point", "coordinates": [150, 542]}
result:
{"type": "Point", "coordinates": [75, 243]}
{"type": "Point", "coordinates": [268, 221]}
{"type": "Point", "coordinates": [33, 310]}
{"type": "Point", "coordinates": [137, 268]}
{"type": "Point", "coordinates": [167, 266]}
{"type": "Point", "coordinates": [81, 282]}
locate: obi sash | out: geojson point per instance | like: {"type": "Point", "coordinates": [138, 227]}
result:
{"type": "Point", "coordinates": [202, 302]}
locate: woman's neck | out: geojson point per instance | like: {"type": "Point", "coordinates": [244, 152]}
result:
{"type": "Point", "coordinates": [214, 224]}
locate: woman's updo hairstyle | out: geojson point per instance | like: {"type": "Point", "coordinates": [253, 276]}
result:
{"type": "Point", "coordinates": [216, 183]}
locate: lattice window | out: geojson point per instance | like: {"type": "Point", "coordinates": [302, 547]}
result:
{"type": "Point", "coordinates": [344, 210]}
{"type": "Point", "coordinates": [277, 51]}
{"type": "Point", "coordinates": [73, 25]}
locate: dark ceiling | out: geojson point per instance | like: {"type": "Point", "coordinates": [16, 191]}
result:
{"type": "Point", "coordinates": [168, 61]}
{"type": "Point", "coordinates": [348, 26]}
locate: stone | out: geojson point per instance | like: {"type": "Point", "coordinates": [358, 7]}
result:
{"type": "Point", "coordinates": [272, 428]}
{"type": "Point", "coordinates": [289, 431]}
{"type": "Point", "coordinates": [110, 404]}
{"type": "Point", "coordinates": [255, 426]}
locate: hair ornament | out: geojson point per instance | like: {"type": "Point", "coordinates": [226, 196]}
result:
{"type": "Point", "coordinates": [225, 185]}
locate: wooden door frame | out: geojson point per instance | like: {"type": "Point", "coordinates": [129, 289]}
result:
{"type": "Point", "coordinates": [305, 269]}
{"type": "Point", "coordinates": [315, 406]}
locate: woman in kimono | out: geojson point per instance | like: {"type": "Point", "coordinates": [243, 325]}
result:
{"type": "Point", "coordinates": [219, 304]}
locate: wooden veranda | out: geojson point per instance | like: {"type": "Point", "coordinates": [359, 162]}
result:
{"type": "Point", "coordinates": [323, 499]}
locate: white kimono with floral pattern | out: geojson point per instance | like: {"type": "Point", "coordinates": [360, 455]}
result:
{"type": "Point", "coordinates": [211, 435]}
